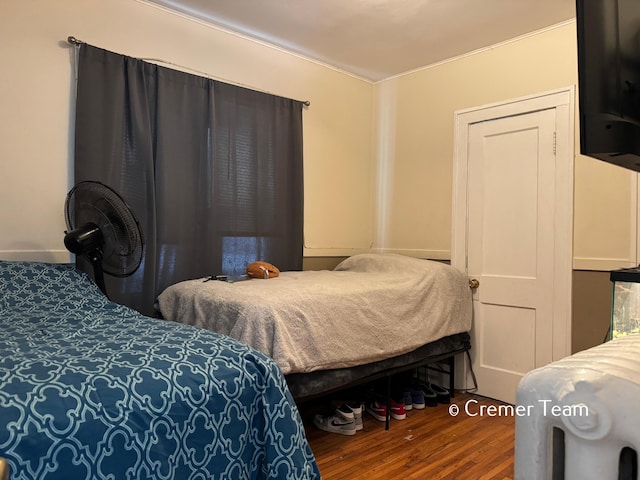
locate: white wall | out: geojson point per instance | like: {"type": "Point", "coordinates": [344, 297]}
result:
{"type": "Point", "coordinates": [36, 115]}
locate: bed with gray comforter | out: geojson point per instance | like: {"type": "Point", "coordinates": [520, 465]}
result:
{"type": "Point", "coordinates": [369, 309]}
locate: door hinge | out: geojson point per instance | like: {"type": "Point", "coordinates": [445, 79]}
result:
{"type": "Point", "coordinates": [554, 143]}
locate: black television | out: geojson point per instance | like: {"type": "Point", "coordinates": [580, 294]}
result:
{"type": "Point", "coordinates": [609, 80]}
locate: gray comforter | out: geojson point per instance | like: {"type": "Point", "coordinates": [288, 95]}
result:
{"type": "Point", "coordinates": [370, 307]}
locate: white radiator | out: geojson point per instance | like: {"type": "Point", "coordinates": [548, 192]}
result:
{"type": "Point", "coordinates": [579, 418]}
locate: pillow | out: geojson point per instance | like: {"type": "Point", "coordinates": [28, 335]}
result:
{"type": "Point", "coordinates": [262, 270]}
{"type": "Point", "coordinates": [385, 263]}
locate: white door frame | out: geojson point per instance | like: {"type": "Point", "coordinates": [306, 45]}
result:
{"type": "Point", "coordinates": [563, 101]}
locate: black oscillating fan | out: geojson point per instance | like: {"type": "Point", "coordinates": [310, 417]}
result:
{"type": "Point", "coordinates": [103, 228]}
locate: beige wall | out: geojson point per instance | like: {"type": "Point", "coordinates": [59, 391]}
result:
{"type": "Point", "coordinates": [416, 139]}
{"type": "Point", "coordinates": [36, 122]}
{"type": "Point", "coordinates": [425, 101]}
{"type": "Point", "coordinates": [378, 158]}
{"type": "Point", "coordinates": [321, 263]}
{"type": "Point", "coordinates": [414, 152]}
{"type": "Point", "coordinates": [591, 309]}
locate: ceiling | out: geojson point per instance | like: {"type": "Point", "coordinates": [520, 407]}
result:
{"type": "Point", "coordinates": [378, 39]}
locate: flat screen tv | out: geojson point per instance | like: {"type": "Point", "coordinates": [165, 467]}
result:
{"type": "Point", "coordinates": [609, 80]}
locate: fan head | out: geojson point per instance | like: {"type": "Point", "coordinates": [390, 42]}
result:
{"type": "Point", "coordinates": [99, 222]}
{"type": "Point", "coordinates": [84, 239]}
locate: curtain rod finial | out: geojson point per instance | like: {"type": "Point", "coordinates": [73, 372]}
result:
{"type": "Point", "coordinates": [74, 41]}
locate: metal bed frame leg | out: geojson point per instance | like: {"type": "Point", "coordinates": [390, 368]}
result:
{"type": "Point", "coordinates": [452, 375]}
{"type": "Point", "coordinates": [388, 412]}
{"type": "Point", "coordinates": [451, 361]}
{"type": "Point", "coordinates": [451, 372]}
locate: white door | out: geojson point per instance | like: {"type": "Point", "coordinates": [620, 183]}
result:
{"type": "Point", "coordinates": [517, 228]}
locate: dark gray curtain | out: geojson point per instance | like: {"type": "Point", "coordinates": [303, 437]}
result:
{"type": "Point", "coordinates": [212, 171]}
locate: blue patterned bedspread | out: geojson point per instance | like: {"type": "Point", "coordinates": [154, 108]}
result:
{"type": "Point", "coordinates": [93, 390]}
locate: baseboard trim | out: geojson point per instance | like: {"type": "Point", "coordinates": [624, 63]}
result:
{"type": "Point", "coordinates": [601, 264]}
{"type": "Point", "coordinates": [47, 256]}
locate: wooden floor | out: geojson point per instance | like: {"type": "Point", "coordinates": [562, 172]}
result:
{"type": "Point", "coordinates": [430, 444]}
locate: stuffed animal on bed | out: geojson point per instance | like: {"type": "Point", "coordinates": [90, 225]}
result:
{"type": "Point", "coordinates": [262, 270]}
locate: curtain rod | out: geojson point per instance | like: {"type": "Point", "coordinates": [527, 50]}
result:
{"type": "Point", "coordinates": [76, 43]}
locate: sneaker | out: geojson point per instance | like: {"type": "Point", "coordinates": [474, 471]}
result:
{"type": "Point", "coordinates": [416, 394]}
{"type": "Point", "coordinates": [346, 411]}
{"type": "Point", "coordinates": [407, 400]}
{"type": "Point", "coordinates": [442, 394]}
{"type": "Point", "coordinates": [379, 411]}
{"type": "Point", "coordinates": [352, 410]}
{"type": "Point", "coordinates": [357, 408]}
{"type": "Point", "coordinates": [336, 423]}
{"type": "Point", "coordinates": [430, 397]}
{"type": "Point", "coordinates": [398, 411]}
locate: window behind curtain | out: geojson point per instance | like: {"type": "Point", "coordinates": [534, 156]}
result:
{"type": "Point", "coordinates": [213, 171]}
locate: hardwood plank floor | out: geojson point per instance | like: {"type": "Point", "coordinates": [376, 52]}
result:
{"type": "Point", "coordinates": [430, 444]}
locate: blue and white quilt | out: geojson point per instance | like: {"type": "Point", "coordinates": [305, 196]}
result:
{"type": "Point", "coordinates": [93, 390]}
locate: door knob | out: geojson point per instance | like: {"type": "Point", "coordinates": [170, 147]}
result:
{"type": "Point", "coordinates": [474, 283]}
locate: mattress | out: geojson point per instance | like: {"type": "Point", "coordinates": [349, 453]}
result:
{"type": "Point", "coordinates": [369, 308]}
{"type": "Point", "coordinates": [92, 389]}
